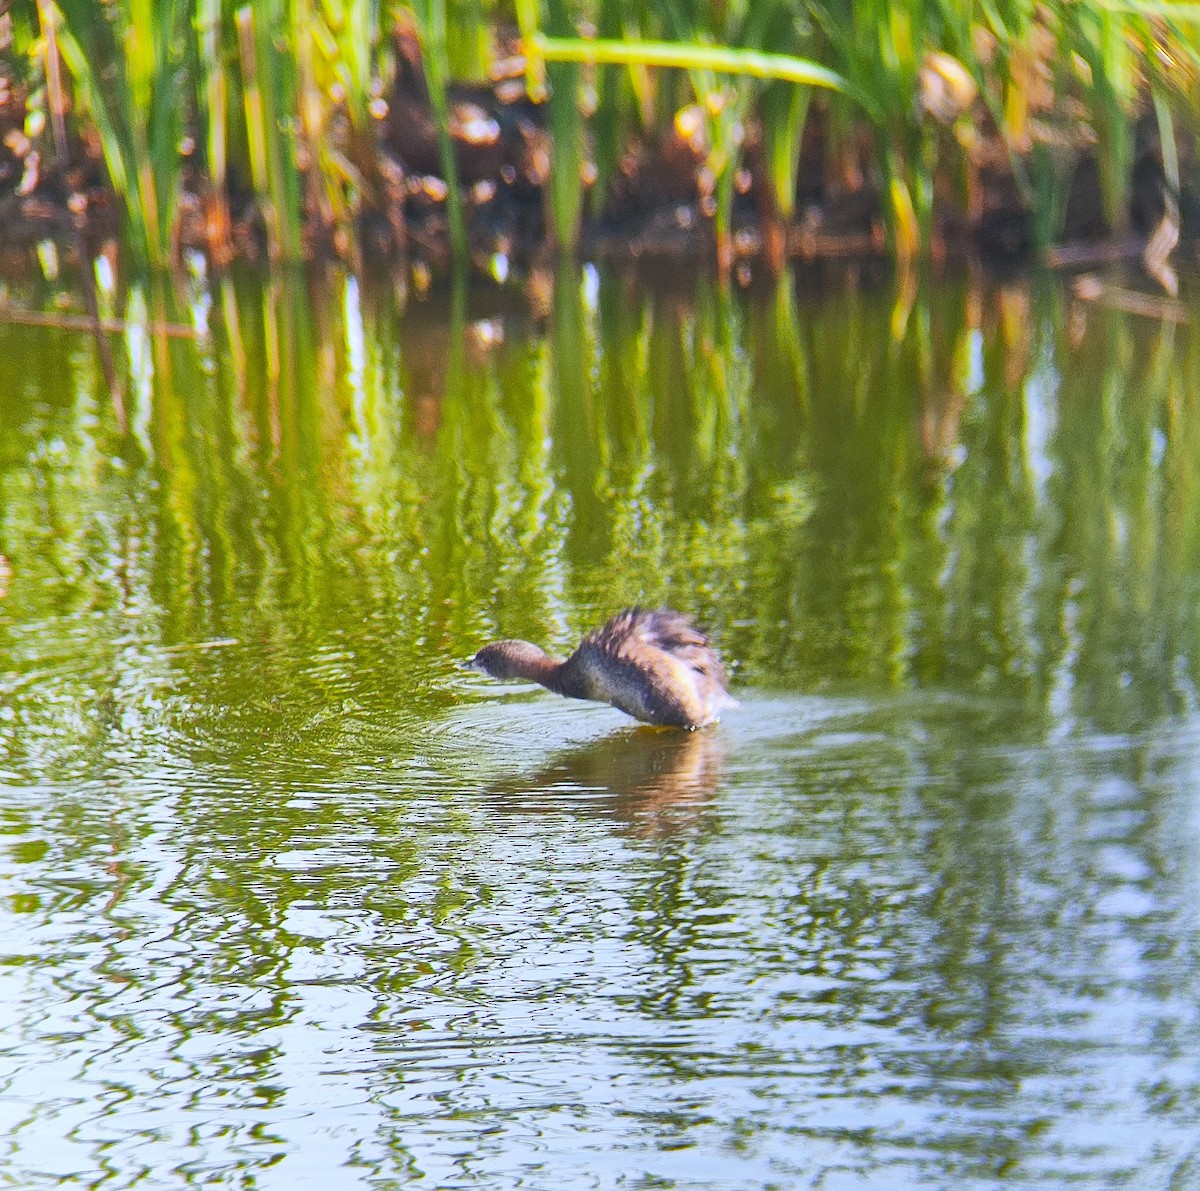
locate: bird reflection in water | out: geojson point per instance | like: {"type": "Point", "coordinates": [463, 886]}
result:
{"type": "Point", "coordinates": [656, 781]}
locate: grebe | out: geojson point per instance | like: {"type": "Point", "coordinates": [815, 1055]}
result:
{"type": "Point", "coordinates": [653, 665]}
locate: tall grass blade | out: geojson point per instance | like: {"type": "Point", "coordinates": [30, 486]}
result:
{"type": "Point", "coordinates": [267, 102]}
{"type": "Point", "coordinates": [719, 59]}
{"type": "Point", "coordinates": [48, 18]}
{"type": "Point", "coordinates": [431, 27]}
{"type": "Point", "coordinates": [616, 117]}
{"type": "Point", "coordinates": [784, 109]}
{"type": "Point", "coordinates": [135, 107]}
{"type": "Point", "coordinates": [784, 115]}
{"type": "Point", "coordinates": [567, 161]}
{"type": "Point", "coordinates": [468, 40]}
{"type": "Point", "coordinates": [1101, 41]}
{"type": "Point", "coordinates": [213, 107]}
{"type": "Point", "coordinates": [565, 120]}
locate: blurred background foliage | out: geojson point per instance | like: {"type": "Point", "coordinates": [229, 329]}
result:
{"type": "Point", "coordinates": [296, 127]}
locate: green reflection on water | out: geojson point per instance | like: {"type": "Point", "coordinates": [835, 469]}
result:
{"type": "Point", "coordinates": [331, 497]}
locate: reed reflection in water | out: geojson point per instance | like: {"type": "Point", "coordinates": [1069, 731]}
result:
{"type": "Point", "coordinates": [290, 900]}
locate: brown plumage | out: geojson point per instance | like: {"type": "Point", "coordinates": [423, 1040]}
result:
{"type": "Point", "coordinates": [654, 665]}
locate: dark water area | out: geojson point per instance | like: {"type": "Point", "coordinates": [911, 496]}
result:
{"type": "Point", "coordinates": [289, 899]}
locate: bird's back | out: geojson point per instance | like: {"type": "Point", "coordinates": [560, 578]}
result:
{"type": "Point", "coordinates": [653, 664]}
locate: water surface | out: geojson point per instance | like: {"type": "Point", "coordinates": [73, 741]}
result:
{"type": "Point", "coordinates": [291, 900]}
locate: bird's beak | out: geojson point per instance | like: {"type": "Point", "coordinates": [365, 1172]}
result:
{"type": "Point", "coordinates": [469, 664]}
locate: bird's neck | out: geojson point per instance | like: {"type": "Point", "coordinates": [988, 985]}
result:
{"type": "Point", "coordinates": [570, 679]}
{"type": "Point", "coordinates": [541, 668]}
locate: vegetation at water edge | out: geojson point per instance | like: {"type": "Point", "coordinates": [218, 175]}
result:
{"type": "Point", "coordinates": [465, 128]}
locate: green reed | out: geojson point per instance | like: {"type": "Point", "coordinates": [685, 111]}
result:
{"type": "Point", "coordinates": [213, 85]}
{"type": "Point", "coordinates": [433, 28]}
{"type": "Point", "coordinates": [128, 67]}
{"type": "Point", "coordinates": [1102, 38]}
{"type": "Point", "coordinates": [619, 113]}
{"type": "Point", "coordinates": [565, 119]}
{"type": "Point", "coordinates": [283, 97]}
{"type": "Point", "coordinates": [266, 91]}
{"type": "Point", "coordinates": [723, 110]}
{"type": "Point", "coordinates": [881, 49]}
{"type": "Point", "coordinates": [277, 94]}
